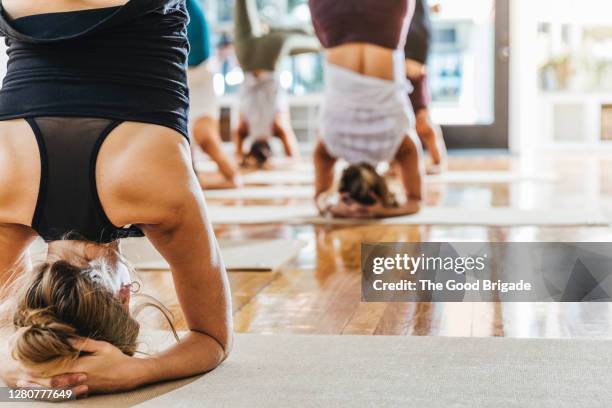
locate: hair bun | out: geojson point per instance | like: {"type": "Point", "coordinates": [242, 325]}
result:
{"type": "Point", "coordinates": [41, 338]}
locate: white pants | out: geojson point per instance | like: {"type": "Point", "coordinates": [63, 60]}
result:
{"type": "Point", "coordinates": [261, 99]}
{"type": "Point", "coordinates": [203, 100]}
{"type": "Point", "coordinates": [364, 119]}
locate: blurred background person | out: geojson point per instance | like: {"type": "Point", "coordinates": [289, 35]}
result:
{"type": "Point", "coordinates": [264, 108]}
{"type": "Point", "coordinates": [417, 50]}
{"type": "Point", "coordinates": [204, 107]}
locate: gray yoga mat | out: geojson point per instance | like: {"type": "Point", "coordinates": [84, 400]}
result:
{"type": "Point", "coordinates": [264, 177]}
{"type": "Point", "coordinates": [498, 216]}
{"type": "Point", "coordinates": [243, 255]}
{"type": "Point", "coordinates": [380, 371]}
{"type": "Point", "coordinates": [255, 255]}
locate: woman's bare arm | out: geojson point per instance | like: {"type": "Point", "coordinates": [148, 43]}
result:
{"type": "Point", "coordinates": [148, 179]}
{"type": "Point", "coordinates": [14, 242]}
{"type": "Point", "coordinates": [188, 245]}
{"type": "Point", "coordinates": [203, 292]}
{"type": "Point", "coordinates": [324, 169]}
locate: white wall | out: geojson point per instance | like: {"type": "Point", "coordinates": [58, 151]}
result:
{"type": "Point", "coordinates": [523, 77]}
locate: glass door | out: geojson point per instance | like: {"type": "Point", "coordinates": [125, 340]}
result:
{"type": "Point", "coordinates": [468, 72]}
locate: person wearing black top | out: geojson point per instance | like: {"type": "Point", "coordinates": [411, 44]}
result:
{"type": "Point", "coordinates": [417, 50]}
{"type": "Point", "coordinates": [94, 148]}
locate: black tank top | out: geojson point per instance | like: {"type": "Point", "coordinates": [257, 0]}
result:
{"type": "Point", "coordinates": [123, 63]}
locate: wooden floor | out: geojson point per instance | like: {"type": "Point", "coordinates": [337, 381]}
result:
{"type": "Point", "coordinates": [319, 293]}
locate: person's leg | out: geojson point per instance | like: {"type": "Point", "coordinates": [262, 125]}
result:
{"type": "Point", "coordinates": [246, 20]}
{"type": "Point", "coordinates": [206, 135]}
{"type": "Point", "coordinates": [284, 131]}
{"type": "Point", "coordinates": [324, 169]}
{"type": "Point", "coordinates": [409, 159]}
{"type": "Point", "coordinates": [429, 134]}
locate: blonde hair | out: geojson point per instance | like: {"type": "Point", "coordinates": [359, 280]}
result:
{"type": "Point", "coordinates": [65, 302]}
{"type": "Point", "coordinates": [61, 302]}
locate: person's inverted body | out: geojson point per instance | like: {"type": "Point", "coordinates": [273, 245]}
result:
{"type": "Point", "coordinates": [204, 108]}
{"type": "Point", "coordinates": [264, 110]}
{"type": "Point", "coordinates": [417, 50]}
{"type": "Point", "coordinates": [108, 159]}
{"type": "Point", "coordinates": [366, 118]}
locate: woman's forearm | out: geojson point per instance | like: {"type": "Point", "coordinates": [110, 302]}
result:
{"type": "Point", "coordinates": [5, 356]}
{"type": "Point", "coordinates": [409, 208]}
{"type": "Point", "coordinates": [195, 354]}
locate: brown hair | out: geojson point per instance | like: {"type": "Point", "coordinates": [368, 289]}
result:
{"type": "Point", "coordinates": [364, 185]}
{"type": "Point", "coordinates": [261, 152]}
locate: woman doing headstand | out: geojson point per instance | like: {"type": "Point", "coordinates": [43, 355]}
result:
{"type": "Point", "coordinates": [94, 148]}
{"type": "Point", "coordinates": [204, 107]}
{"type": "Point", "coordinates": [263, 104]}
{"type": "Point", "coordinates": [366, 118]}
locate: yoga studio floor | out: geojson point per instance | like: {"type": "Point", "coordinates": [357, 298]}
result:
{"type": "Point", "coordinates": [304, 339]}
{"type": "Point", "coordinates": [319, 291]}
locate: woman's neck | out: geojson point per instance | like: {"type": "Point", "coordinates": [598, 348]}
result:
{"type": "Point", "coordinates": [78, 252]}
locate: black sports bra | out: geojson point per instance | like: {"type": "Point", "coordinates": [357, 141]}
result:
{"type": "Point", "coordinates": [68, 205]}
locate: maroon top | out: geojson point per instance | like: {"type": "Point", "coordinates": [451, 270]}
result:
{"type": "Point", "coordinates": [420, 97]}
{"type": "Point", "coordinates": [377, 22]}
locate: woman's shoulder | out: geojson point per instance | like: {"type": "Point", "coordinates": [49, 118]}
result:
{"type": "Point", "coordinates": [19, 172]}
{"type": "Point", "coordinates": [144, 171]}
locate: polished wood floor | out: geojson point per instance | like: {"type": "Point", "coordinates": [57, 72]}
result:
{"type": "Point", "coordinates": [319, 293]}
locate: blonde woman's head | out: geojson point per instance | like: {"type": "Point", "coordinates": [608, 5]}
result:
{"type": "Point", "coordinates": [64, 301]}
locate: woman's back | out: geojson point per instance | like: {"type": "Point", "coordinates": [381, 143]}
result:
{"type": "Point", "coordinates": [365, 59]}
{"type": "Point", "coordinates": [22, 8]}
{"type": "Point", "coordinates": [149, 116]}
{"type": "Point", "coordinates": [362, 35]}
{"type": "Point", "coordinates": [136, 172]}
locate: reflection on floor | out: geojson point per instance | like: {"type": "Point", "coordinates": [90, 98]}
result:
{"type": "Point", "coordinates": [320, 292]}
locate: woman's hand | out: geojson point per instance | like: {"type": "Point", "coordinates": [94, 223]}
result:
{"type": "Point", "coordinates": [348, 208]}
{"type": "Point", "coordinates": [16, 375]}
{"type": "Point", "coordinates": [104, 370]}
{"type": "Point", "coordinates": [107, 368]}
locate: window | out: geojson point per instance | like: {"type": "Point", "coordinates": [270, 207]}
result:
{"type": "Point", "coordinates": [300, 75]}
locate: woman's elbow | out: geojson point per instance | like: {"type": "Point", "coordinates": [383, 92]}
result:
{"type": "Point", "coordinates": [221, 345]}
{"type": "Point", "coordinates": [227, 346]}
